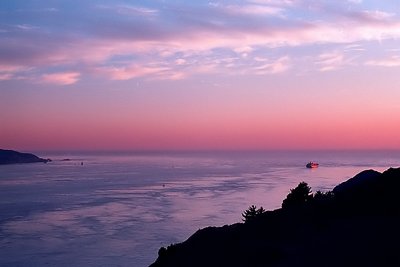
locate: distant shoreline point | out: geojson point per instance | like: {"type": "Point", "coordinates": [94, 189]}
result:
{"type": "Point", "coordinates": [14, 157]}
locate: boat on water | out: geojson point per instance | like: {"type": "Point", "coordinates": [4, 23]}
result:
{"type": "Point", "coordinates": [312, 165]}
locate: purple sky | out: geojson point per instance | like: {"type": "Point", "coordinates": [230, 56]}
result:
{"type": "Point", "coordinates": [256, 74]}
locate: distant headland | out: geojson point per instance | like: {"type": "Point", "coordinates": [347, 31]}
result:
{"type": "Point", "coordinates": [15, 157]}
{"type": "Point", "coordinates": [355, 224]}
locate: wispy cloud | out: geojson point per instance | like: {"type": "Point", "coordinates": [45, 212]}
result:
{"type": "Point", "coordinates": [393, 61]}
{"type": "Point", "coordinates": [5, 76]}
{"type": "Point", "coordinates": [252, 10]}
{"type": "Point", "coordinates": [277, 66]}
{"type": "Point", "coordinates": [25, 27]}
{"type": "Point", "coordinates": [11, 71]}
{"type": "Point", "coordinates": [143, 34]}
{"type": "Point", "coordinates": [275, 2]}
{"type": "Point", "coordinates": [130, 72]}
{"type": "Point", "coordinates": [10, 68]}
{"type": "Point", "coordinates": [136, 71]}
{"type": "Point", "coordinates": [353, 48]}
{"type": "Point", "coordinates": [330, 61]}
{"type": "Point", "coordinates": [139, 10]}
{"type": "Point", "coordinates": [369, 17]}
{"type": "Point", "coordinates": [180, 61]}
{"type": "Point", "coordinates": [355, 1]}
{"type": "Point", "coordinates": [61, 78]}
{"type": "Point", "coordinates": [378, 15]}
{"type": "Point", "coordinates": [131, 10]}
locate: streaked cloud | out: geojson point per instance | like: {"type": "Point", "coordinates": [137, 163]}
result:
{"type": "Point", "coordinates": [61, 78]}
{"type": "Point", "coordinates": [253, 9]}
{"type": "Point", "coordinates": [393, 61]}
{"type": "Point", "coordinates": [355, 1]}
{"type": "Point", "coordinates": [25, 27]}
{"type": "Point", "coordinates": [130, 10]}
{"type": "Point", "coordinates": [378, 15]}
{"type": "Point", "coordinates": [275, 2]}
{"type": "Point", "coordinates": [136, 71]}
{"type": "Point", "coordinates": [277, 66]}
{"type": "Point", "coordinates": [179, 35]}
{"type": "Point", "coordinates": [353, 48]}
{"type": "Point", "coordinates": [330, 61]}
{"type": "Point", "coordinates": [5, 76]}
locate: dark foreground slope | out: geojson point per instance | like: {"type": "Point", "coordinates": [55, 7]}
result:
{"type": "Point", "coordinates": [358, 224]}
{"type": "Point", "coordinates": [13, 157]}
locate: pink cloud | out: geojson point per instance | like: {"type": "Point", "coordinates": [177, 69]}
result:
{"type": "Point", "coordinates": [99, 51]}
{"type": "Point", "coordinates": [355, 1]}
{"type": "Point", "coordinates": [377, 15]}
{"type": "Point", "coordinates": [231, 27]}
{"type": "Point", "coordinates": [278, 66]}
{"type": "Point", "coordinates": [11, 68]}
{"type": "Point", "coordinates": [61, 78]}
{"type": "Point", "coordinates": [173, 75]}
{"type": "Point", "coordinates": [127, 73]}
{"type": "Point", "coordinates": [11, 72]}
{"type": "Point", "coordinates": [275, 2]}
{"type": "Point", "coordinates": [135, 71]}
{"type": "Point", "coordinates": [252, 10]}
{"type": "Point", "coordinates": [394, 61]}
{"type": "Point", "coordinates": [180, 61]}
{"type": "Point", "coordinates": [330, 61]}
{"type": "Point", "coordinates": [6, 76]}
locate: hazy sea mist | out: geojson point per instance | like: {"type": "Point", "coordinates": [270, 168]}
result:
{"type": "Point", "coordinates": [118, 209]}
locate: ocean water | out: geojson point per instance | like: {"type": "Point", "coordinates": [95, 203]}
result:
{"type": "Point", "coordinates": [118, 209]}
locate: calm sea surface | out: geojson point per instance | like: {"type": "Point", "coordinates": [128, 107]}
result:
{"type": "Point", "coordinates": [118, 209]}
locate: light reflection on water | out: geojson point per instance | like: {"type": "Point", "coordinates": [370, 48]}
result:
{"type": "Point", "coordinates": [118, 209]}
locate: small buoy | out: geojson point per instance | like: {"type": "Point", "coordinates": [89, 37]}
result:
{"type": "Point", "coordinates": [81, 163]}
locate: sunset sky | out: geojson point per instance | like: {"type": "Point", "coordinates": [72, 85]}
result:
{"type": "Point", "coordinates": [154, 75]}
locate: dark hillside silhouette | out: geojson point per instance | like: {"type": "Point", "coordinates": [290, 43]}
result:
{"type": "Point", "coordinates": [13, 157]}
{"type": "Point", "coordinates": [357, 224]}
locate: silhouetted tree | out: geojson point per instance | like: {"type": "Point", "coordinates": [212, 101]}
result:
{"type": "Point", "coordinates": [298, 196]}
{"type": "Point", "coordinates": [251, 213]}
